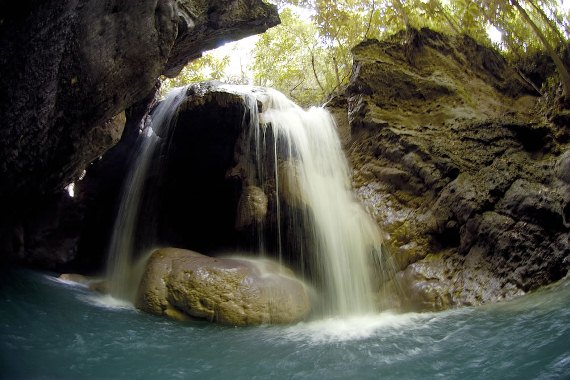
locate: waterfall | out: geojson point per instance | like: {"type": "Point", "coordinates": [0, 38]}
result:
{"type": "Point", "coordinates": [120, 255]}
{"type": "Point", "coordinates": [300, 174]}
{"type": "Point", "coordinates": [312, 187]}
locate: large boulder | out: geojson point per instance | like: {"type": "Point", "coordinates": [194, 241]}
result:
{"type": "Point", "coordinates": [453, 157]}
{"type": "Point", "coordinates": [233, 291]}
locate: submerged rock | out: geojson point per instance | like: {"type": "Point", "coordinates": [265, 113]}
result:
{"type": "Point", "coordinates": [233, 291]}
{"type": "Point", "coordinates": [93, 283]}
{"type": "Point", "coordinates": [451, 155]}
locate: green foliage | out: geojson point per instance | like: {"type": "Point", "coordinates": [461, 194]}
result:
{"type": "Point", "coordinates": [336, 26]}
{"type": "Point", "coordinates": [207, 67]}
{"type": "Point", "coordinates": [284, 58]}
{"type": "Point", "coordinates": [308, 56]}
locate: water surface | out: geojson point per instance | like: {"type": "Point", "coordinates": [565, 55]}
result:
{"type": "Point", "coordinates": [54, 330]}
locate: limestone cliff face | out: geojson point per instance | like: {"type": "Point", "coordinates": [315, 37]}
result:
{"type": "Point", "coordinates": [69, 71]}
{"type": "Point", "coordinates": [458, 165]}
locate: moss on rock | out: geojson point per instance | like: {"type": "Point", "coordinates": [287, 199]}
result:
{"type": "Point", "coordinates": [184, 284]}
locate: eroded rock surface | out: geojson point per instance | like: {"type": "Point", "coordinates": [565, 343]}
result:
{"type": "Point", "coordinates": [70, 67]}
{"type": "Point", "coordinates": [456, 162]}
{"type": "Point", "coordinates": [233, 291]}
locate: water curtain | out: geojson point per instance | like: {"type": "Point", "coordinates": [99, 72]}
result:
{"type": "Point", "coordinates": [296, 160]}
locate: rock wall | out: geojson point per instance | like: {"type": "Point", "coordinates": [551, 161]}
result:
{"type": "Point", "coordinates": [456, 161]}
{"type": "Point", "coordinates": [71, 68]}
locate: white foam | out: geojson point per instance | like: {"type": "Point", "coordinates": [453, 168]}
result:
{"type": "Point", "coordinates": [106, 301]}
{"type": "Point", "coordinates": [350, 328]}
{"type": "Point", "coordinates": [67, 282]}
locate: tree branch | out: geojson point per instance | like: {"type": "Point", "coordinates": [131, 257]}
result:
{"type": "Point", "coordinates": [315, 72]}
{"type": "Point", "coordinates": [562, 71]}
{"type": "Point", "coordinates": [370, 19]}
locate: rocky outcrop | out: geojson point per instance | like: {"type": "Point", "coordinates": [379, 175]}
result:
{"type": "Point", "coordinates": [452, 156]}
{"type": "Point", "coordinates": [207, 25]}
{"type": "Point", "coordinates": [70, 69]}
{"type": "Point", "coordinates": [233, 291]}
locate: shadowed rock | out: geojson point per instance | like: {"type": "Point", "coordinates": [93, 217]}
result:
{"type": "Point", "coordinates": [69, 71]}
{"type": "Point", "coordinates": [70, 67]}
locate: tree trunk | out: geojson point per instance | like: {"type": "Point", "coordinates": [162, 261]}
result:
{"type": "Point", "coordinates": [449, 20]}
{"type": "Point", "coordinates": [335, 63]}
{"type": "Point", "coordinates": [370, 19]}
{"type": "Point", "coordinates": [547, 21]}
{"type": "Point", "coordinates": [562, 71]}
{"type": "Point", "coordinates": [315, 73]}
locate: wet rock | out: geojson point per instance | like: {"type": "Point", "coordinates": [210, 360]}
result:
{"type": "Point", "coordinates": [535, 203]}
{"type": "Point", "coordinates": [231, 291]}
{"type": "Point", "coordinates": [289, 187]}
{"type": "Point", "coordinates": [458, 167]}
{"type": "Point", "coordinates": [442, 281]}
{"type": "Point", "coordinates": [393, 178]}
{"type": "Point", "coordinates": [526, 254]}
{"type": "Point", "coordinates": [252, 207]}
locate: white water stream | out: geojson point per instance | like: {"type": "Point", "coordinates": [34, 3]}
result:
{"type": "Point", "coordinates": [311, 174]}
{"type": "Point", "coordinates": [121, 250]}
{"type": "Point", "coordinates": [310, 177]}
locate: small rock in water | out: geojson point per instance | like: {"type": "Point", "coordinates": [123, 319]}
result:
{"type": "Point", "coordinates": [184, 284]}
{"type": "Point", "coordinates": [94, 284]}
{"type": "Point", "coordinates": [99, 286]}
{"type": "Point", "coordinates": [74, 277]}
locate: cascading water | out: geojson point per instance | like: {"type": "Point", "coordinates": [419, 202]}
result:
{"type": "Point", "coordinates": [120, 261]}
{"type": "Point", "coordinates": [311, 175]}
{"type": "Point", "coordinates": [296, 158]}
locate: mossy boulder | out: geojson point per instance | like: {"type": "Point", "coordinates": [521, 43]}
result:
{"type": "Point", "coordinates": [184, 284]}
